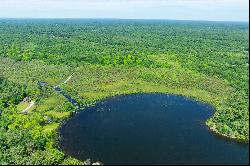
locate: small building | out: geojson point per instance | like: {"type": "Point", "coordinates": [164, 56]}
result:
{"type": "Point", "coordinates": [27, 100]}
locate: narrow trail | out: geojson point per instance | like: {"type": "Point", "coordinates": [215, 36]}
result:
{"type": "Point", "coordinates": [64, 82]}
{"type": "Point", "coordinates": [56, 88]}
{"type": "Point", "coordinates": [68, 97]}
{"type": "Point", "coordinates": [66, 79]}
{"type": "Point", "coordinates": [27, 109]}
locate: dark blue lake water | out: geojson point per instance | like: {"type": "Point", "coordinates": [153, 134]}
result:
{"type": "Point", "coordinates": [148, 129]}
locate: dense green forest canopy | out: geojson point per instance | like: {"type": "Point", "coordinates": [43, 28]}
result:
{"type": "Point", "coordinates": [208, 61]}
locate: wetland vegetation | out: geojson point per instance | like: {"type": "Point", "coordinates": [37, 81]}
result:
{"type": "Point", "coordinates": [207, 61]}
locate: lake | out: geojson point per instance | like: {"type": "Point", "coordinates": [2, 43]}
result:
{"type": "Point", "coordinates": [155, 128]}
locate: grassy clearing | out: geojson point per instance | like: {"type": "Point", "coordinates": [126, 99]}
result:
{"type": "Point", "coordinates": [50, 103]}
{"type": "Point", "coordinates": [21, 106]}
{"type": "Point", "coordinates": [51, 127]}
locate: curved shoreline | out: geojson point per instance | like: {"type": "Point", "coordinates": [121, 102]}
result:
{"type": "Point", "coordinates": [212, 130]}
{"type": "Point", "coordinates": [118, 97]}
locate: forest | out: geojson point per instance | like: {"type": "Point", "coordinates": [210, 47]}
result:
{"type": "Point", "coordinates": [207, 61]}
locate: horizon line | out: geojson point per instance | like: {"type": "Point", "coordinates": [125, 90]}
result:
{"type": "Point", "coordinates": [109, 18]}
